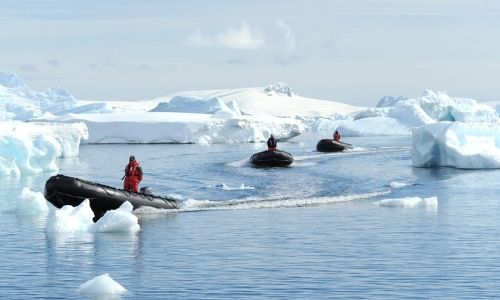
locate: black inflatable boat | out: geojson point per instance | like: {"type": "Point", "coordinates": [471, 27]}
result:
{"type": "Point", "coordinates": [329, 145]}
{"type": "Point", "coordinates": [276, 158]}
{"type": "Point", "coordinates": [63, 190]}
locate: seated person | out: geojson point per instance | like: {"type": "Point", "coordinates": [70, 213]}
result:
{"type": "Point", "coordinates": [271, 144]}
{"type": "Point", "coordinates": [336, 136]}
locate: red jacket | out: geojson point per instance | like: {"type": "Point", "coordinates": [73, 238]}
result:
{"type": "Point", "coordinates": [133, 172]}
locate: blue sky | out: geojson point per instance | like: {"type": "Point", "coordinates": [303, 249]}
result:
{"type": "Point", "coordinates": [350, 51]}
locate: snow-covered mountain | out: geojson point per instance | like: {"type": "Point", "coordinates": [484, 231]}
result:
{"type": "Point", "coordinates": [275, 99]}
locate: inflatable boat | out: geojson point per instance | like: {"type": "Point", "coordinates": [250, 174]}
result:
{"type": "Point", "coordinates": [276, 158]}
{"type": "Point", "coordinates": [63, 190]}
{"type": "Point", "coordinates": [329, 145]}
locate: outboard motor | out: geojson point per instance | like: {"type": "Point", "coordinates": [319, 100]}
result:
{"type": "Point", "coordinates": [146, 190]}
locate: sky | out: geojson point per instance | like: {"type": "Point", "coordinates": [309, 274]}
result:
{"type": "Point", "coordinates": [351, 51]}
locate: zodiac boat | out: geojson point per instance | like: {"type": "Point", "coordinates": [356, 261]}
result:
{"type": "Point", "coordinates": [276, 158]}
{"type": "Point", "coordinates": [63, 190]}
{"type": "Point", "coordinates": [329, 145]}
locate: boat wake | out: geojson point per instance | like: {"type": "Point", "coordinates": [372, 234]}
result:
{"type": "Point", "coordinates": [191, 205]}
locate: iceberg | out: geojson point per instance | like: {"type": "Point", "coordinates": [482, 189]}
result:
{"type": "Point", "coordinates": [399, 115]}
{"type": "Point", "coordinates": [438, 106]}
{"type": "Point", "coordinates": [456, 144]}
{"type": "Point", "coordinates": [19, 102]}
{"type": "Point", "coordinates": [27, 148]}
{"type": "Point", "coordinates": [374, 126]}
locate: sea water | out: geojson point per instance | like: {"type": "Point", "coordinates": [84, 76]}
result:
{"type": "Point", "coordinates": [309, 231]}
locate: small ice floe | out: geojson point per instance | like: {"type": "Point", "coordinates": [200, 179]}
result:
{"type": "Point", "coordinates": [80, 219]}
{"type": "Point", "coordinates": [101, 287]}
{"type": "Point", "coordinates": [31, 203]}
{"type": "Point", "coordinates": [71, 219]}
{"type": "Point", "coordinates": [225, 187]}
{"type": "Point", "coordinates": [410, 202]}
{"type": "Point", "coordinates": [118, 220]}
{"type": "Point", "coordinates": [397, 184]}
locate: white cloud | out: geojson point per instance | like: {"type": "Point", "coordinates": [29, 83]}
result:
{"type": "Point", "coordinates": [289, 36]}
{"type": "Point", "coordinates": [242, 38]}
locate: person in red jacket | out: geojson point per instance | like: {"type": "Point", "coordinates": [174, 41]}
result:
{"type": "Point", "coordinates": [133, 175]}
{"type": "Point", "coordinates": [336, 136]}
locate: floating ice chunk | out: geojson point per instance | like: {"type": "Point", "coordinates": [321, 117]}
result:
{"type": "Point", "coordinates": [225, 187]}
{"type": "Point", "coordinates": [101, 286]}
{"type": "Point", "coordinates": [71, 219]}
{"type": "Point", "coordinates": [119, 220]}
{"type": "Point", "coordinates": [31, 203]}
{"type": "Point", "coordinates": [80, 219]}
{"type": "Point", "coordinates": [397, 185]}
{"type": "Point", "coordinates": [411, 202]}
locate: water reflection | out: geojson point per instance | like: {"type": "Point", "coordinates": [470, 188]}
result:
{"type": "Point", "coordinates": [437, 173]}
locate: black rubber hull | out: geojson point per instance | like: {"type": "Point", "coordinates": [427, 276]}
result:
{"type": "Point", "coordinates": [63, 190]}
{"type": "Point", "coordinates": [329, 145]}
{"type": "Point", "coordinates": [277, 158]}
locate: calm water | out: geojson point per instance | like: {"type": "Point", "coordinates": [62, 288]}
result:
{"type": "Point", "coordinates": [287, 238]}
